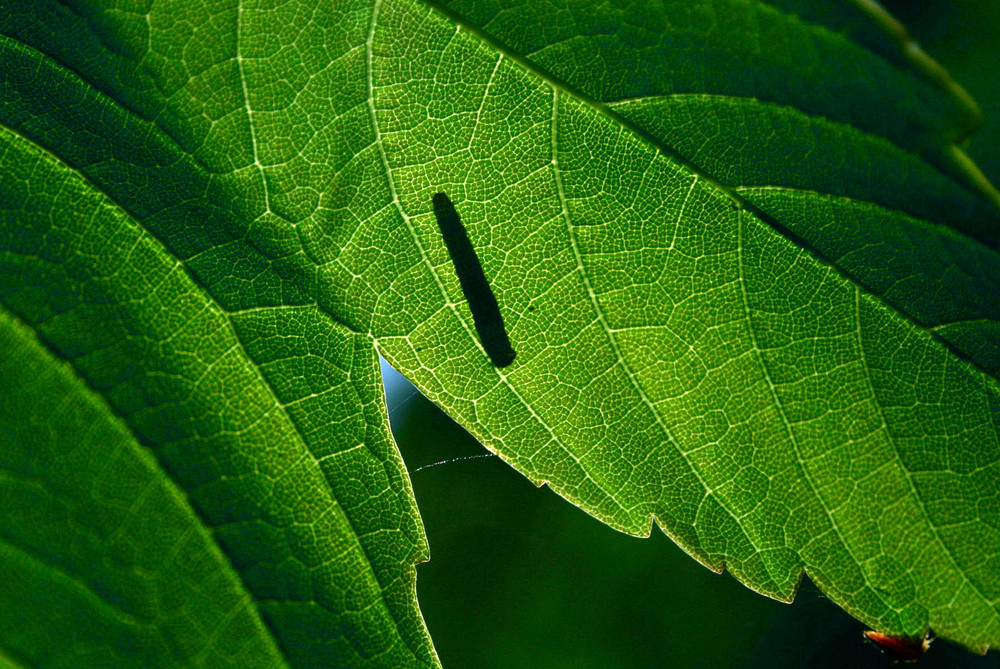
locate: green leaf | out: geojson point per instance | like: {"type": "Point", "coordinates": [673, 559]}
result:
{"type": "Point", "coordinates": [752, 282]}
{"type": "Point", "coordinates": [248, 506]}
{"type": "Point", "coordinates": [269, 418]}
{"type": "Point", "coordinates": [88, 513]}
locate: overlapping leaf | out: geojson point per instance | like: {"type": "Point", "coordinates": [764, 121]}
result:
{"type": "Point", "coordinates": [237, 498]}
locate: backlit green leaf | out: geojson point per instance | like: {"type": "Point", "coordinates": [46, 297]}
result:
{"type": "Point", "coordinates": [751, 279]}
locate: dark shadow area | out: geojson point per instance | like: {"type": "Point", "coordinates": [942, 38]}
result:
{"type": "Point", "coordinates": [964, 37]}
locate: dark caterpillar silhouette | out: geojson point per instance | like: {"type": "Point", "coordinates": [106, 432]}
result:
{"type": "Point", "coordinates": [475, 287]}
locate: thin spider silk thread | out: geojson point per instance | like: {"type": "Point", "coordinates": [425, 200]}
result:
{"type": "Point", "coordinates": [444, 462]}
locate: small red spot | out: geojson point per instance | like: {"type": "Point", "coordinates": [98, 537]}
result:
{"type": "Point", "coordinates": [902, 648]}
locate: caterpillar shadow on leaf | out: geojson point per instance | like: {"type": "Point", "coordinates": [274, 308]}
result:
{"type": "Point", "coordinates": [483, 304]}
